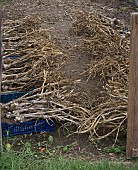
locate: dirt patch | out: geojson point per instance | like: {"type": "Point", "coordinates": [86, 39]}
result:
{"type": "Point", "coordinates": [57, 16]}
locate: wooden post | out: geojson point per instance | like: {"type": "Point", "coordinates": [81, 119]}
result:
{"type": "Point", "coordinates": [132, 125]}
{"type": "Point", "coordinates": [1, 147]}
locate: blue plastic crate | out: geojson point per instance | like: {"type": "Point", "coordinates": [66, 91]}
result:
{"type": "Point", "coordinates": [40, 125]}
{"type": "Point", "coordinates": [27, 127]}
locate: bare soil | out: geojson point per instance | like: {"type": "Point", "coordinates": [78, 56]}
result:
{"type": "Point", "coordinates": [58, 16]}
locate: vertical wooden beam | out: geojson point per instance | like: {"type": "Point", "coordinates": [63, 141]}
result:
{"type": "Point", "coordinates": [132, 125]}
{"type": "Point", "coordinates": [135, 123]}
{"type": "Point", "coordinates": [1, 148]}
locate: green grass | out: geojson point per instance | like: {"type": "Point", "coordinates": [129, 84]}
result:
{"type": "Point", "coordinates": [27, 160]}
{"type": "Point", "coordinates": [4, 0]}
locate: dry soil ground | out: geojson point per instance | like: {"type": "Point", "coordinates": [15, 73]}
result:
{"type": "Point", "coordinates": [58, 16]}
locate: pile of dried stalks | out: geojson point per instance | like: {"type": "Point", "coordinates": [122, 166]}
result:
{"type": "Point", "coordinates": [36, 59]}
{"type": "Point", "coordinates": [109, 52]}
{"type": "Point", "coordinates": [35, 63]}
{"type": "Point", "coordinates": [38, 66]}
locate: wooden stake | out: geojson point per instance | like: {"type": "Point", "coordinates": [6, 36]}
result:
{"type": "Point", "coordinates": [1, 147]}
{"type": "Point", "coordinates": [132, 125]}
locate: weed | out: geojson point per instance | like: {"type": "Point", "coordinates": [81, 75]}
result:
{"type": "Point", "coordinates": [123, 8]}
{"type": "Point", "coordinates": [65, 149]}
{"type": "Point", "coordinates": [114, 149]}
{"type": "Point", "coordinates": [50, 139]}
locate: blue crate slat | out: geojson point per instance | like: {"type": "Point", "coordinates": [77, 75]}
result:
{"type": "Point", "coordinates": [11, 57]}
{"type": "Point", "coordinates": [27, 128]}
{"type": "Point", "coordinates": [5, 98]}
